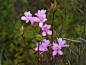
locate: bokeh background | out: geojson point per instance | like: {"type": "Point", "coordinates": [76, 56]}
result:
{"type": "Point", "coordinates": [12, 47]}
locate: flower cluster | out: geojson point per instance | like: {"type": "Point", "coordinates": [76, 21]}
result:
{"type": "Point", "coordinates": [56, 47]}
{"type": "Point", "coordinates": [41, 17]}
{"type": "Point", "coordinates": [43, 44]}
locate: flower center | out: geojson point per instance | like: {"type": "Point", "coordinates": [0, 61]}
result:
{"type": "Point", "coordinates": [57, 48]}
{"type": "Point", "coordinates": [45, 28]}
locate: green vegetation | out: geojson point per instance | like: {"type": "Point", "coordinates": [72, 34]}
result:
{"type": "Point", "coordinates": [12, 47]}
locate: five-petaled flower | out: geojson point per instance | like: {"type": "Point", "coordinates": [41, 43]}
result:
{"type": "Point", "coordinates": [27, 16]}
{"type": "Point", "coordinates": [42, 46]}
{"type": "Point", "coordinates": [42, 17]}
{"type": "Point", "coordinates": [45, 29]}
{"type": "Point", "coordinates": [62, 42]}
{"type": "Point", "coordinates": [56, 49]}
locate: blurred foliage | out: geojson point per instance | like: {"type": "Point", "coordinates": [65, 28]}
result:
{"type": "Point", "coordinates": [14, 52]}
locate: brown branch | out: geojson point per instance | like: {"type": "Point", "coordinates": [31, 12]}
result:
{"type": "Point", "coordinates": [27, 50]}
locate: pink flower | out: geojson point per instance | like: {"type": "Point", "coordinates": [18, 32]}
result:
{"type": "Point", "coordinates": [45, 29]}
{"type": "Point", "coordinates": [56, 49]}
{"type": "Point", "coordinates": [33, 19]}
{"type": "Point", "coordinates": [45, 43]}
{"type": "Point", "coordinates": [42, 46]}
{"type": "Point", "coordinates": [62, 42]}
{"type": "Point", "coordinates": [41, 13]}
{"type": "Point", "coordinates": [42, 17]}
{"type": "Point", "coordinates": [27, 16]}
{"type": "Point", "coordinates": [52, 5]}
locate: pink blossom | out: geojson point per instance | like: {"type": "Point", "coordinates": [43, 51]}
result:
{"type": "Point", "coordinates": [45, 43]}
{"type": "Point", "coordinates": [52, 5]}
{"type": "Point", "coordinates": [45, 29]}
{"type": "Point", "coordinates": [40, 13]}
{"type": "Point", "coordinates": [42, 46]}
{"type": "Point", "coordinates": [56, 49]}
{"type": "Point", "coordinates": [62, 42]}
{"type": "Point", "coordinates": [33, 19]}
{"type": "Point", "coordinates": [42, 17]}
{"type": "Point", "coordinates": [27, 16]}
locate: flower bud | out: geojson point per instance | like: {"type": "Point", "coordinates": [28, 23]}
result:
{"type": "Point", "coordinates": [21, 30]}
{"type": "Point", "coordinates": [38, 37]}
{"type": "Point", "coordinates": [61, 61]}
{"type": "Point", "coordinates": [52, 5]}
{"type": "Point", "coordinates": [57, 59]}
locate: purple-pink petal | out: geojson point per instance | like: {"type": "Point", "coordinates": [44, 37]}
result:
{"type": "Point", "coordinates": [44, 33]}
{"type": "Point", "coordinates": [54, 52]}
{"type": "Point", "coordinates": [60, 52]}
{"type": "Point", "coordinates": [40, 24]}
{"type": "Point", "coordinates": [27, 21]}
{"type": "Point", "coordinates": [23, 18]}
{"type": "Point", "coordinates": [62, 42]}
{"type": "Point", "coordinates": [49, 32]}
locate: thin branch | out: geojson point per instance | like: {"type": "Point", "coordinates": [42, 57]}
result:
{"type": "Point", "coordinates": [83, 48]}
{"type": "Point", "coordinates": [1, 53]}
{"type": "Point", "coordinates": [73, 51]}
{"type": "Point", "coordinates": [72, 40]}
{"type": "Point", "coordinates": [65, 15]}
{"type": "Point", "coordinates": [35, 29]}
{"type": "Point", "coordinates": [62, 23]}
{"type": "Point", "coordinates": [80, 1]}
{"type": "Point", "coordinates": [71, 7]}
{"type": "Point", "coordinates": [52, 34]}
{"type": "Point", "coordinates": [80, 10]}
{"type": "Point", "coordinates": [27, 50]}
{"type": "Point", "coordinates": [83, 63]}
{"type": "Point", "coordinates": [82, 40]}
{"type": "Point", "coordinates": [38, 53]}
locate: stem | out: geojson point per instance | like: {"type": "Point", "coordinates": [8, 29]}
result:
{"type": "Point", "coordinates": [73, 40]}
{"type": "Point", "coordinates": [52, 34]}
{"type": "Point", "coordinates": [79, 59]}
{"type": "Point", "coordinates": [84, 32]}
{"type": "Point", "coordinates": [35, 29]}
{"type": "Point", "coordinates": [52, 29]}
{"type": "Point", "coordinates": [38, 53]}
{"type": "Point", "coordinates": [27, 50]}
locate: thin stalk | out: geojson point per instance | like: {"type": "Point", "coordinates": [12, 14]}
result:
{"type": "Point", "coordinates": [35, 29]}
{"type": "Point", "coordinates": [52, 30]}
{"type": "Point", "coordinates": [79, 59]}
{"type": "Point", "coordinates": [84, 32]}
{"type": "Point", "coordinates": [52, 34]}
{"type": "Point", "coordinates": [62, 23]}
{"type": "Point", "coordinates": [27, 50]}
{"type": "Point", "coordinates": [38, 53]}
